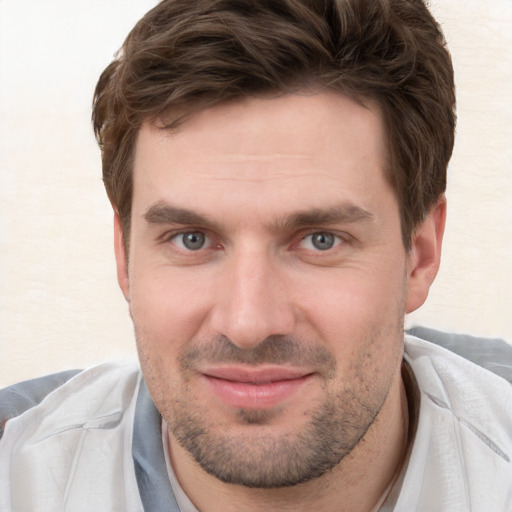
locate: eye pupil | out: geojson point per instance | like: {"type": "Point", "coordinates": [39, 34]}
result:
{"type": "Point", "coordinates": [193, 241]}
{"type": "Point", "coordinates": [322, 241]}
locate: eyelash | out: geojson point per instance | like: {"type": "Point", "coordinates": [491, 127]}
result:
{"type": "Point", "coordinates": [172, 235]}
{"type": "Point", "coordinates": [340, 239]}
{"type": "Point", "coordinates": [337, 240]}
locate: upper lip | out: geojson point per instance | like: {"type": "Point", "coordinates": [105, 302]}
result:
{"type": "Point", "coordinates": [250, 375]}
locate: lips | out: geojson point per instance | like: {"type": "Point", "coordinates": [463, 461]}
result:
{"type": "Point", "coordinates": [255, 388]}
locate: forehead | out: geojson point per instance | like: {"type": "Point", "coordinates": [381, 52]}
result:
{"type": "Point", "coordinates": [305, 147]}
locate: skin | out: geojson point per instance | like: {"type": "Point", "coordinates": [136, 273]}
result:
{"type": "Point", "coordinates": [258, 179]}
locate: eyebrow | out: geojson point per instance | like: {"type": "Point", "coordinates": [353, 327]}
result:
{"type": "Point", "coordinates": [164, 213]}
{"type": "Point", "coordinates": [346, 213]}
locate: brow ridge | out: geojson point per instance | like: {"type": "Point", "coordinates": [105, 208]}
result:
{"type": "Point", "coordinates": [346, 213]}
{"type": "Point", "coordinates": [164, 213]}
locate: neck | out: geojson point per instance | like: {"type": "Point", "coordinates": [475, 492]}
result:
{"type": "Point", "coordinates": [357, 483]}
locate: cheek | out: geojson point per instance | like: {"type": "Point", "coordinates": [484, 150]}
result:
{"type": "Point", "coordinates": [359, 315]}
{"type": "Point", "coordinates": [167, 306]}
{"type": "Point", "coordinates": [348, 297]}
{"type": "Point", "coordinates": [361, 320]}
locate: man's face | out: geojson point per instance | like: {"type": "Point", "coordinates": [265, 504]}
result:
{"type": "Point", "coordinates": [267, 282]}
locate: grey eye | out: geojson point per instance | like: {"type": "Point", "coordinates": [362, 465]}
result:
{"type": "Point", "coordinates": [323, 241]}
{"type": "Point", "coordinates": [193, 241]}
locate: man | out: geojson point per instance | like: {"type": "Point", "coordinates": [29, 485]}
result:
{"type": "Point", "coordinates": [277, 171]}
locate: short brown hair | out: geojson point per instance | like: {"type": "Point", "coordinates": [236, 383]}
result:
{"type": "Point", "coordinates": [186, 55]}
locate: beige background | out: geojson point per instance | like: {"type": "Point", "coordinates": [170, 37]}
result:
{"type": "Point", "coordinates": [59, 302]}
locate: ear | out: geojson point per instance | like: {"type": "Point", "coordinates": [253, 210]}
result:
{"type": "Point", "coordinates": [425, 255]}
{"type": "Point", "coordinates": [121, 257]}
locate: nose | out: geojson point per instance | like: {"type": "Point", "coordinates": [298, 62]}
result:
{"type": "Point", "coordinates": [253, 302]}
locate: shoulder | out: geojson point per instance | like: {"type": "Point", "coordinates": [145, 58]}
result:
{"type": "Point", "coordinates": [493, 354]}
{"type": "Point", "coordinates": [463, 387]}
{"type": "Point", "coordinates": [20, 397]}
{"type": "Point", "coordinates": [73, 437]}
{"type": "Point", "coordinates": [55, 390]}
{"type": "Point", "coordinates": [470, 375]}
{"type": "Point", "coordinates": [464, 430]}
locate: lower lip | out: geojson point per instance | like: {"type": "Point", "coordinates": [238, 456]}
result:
{"type": "Point", "coordinates": [252, 396]}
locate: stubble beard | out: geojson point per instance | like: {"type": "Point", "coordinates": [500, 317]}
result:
{"type": "Point", "coordinates": [261, 459]}
{"type": "Point", "coordinates": [256, 456]}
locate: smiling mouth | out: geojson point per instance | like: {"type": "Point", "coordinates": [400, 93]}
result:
{"type": "Point", "coordinates": [255, 388]}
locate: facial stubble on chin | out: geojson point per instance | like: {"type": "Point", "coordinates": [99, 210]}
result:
{"type": "Point", "coordinates": [253, 455]}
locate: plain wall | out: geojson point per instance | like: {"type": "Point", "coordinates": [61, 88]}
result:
{"type": "Point", "coordinates": [60, 306]}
